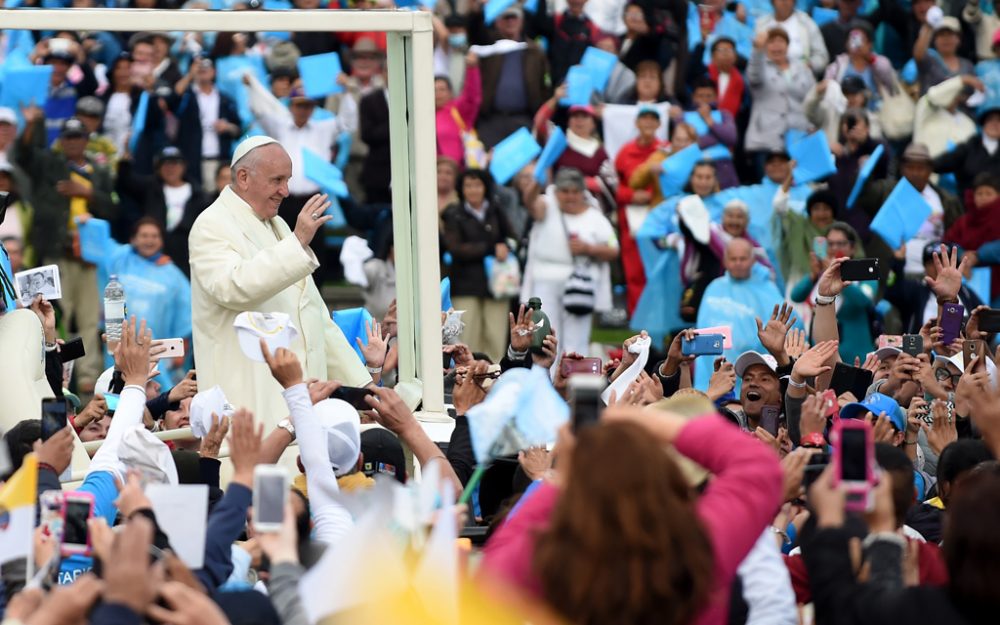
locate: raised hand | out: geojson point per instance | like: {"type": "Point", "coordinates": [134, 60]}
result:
{"type": "Point", "coordinates": [942, 432]}
{"type": "Point", "coordinates": [795, 343]}
{"type": "Point", "coordinates": [772, 335]}
{"type": "Point", "coordinates": [812, 420]}
{"type": "Point", "coordinates": [284, 365]}
{"type": "Point", "coordinates": [212, 443]}
{"type": "Point", "coordinates": [948, 282]}
{"type": "Point", "coordinates": [830, 282]}
{"type": "Point", "coordinates": [244, 446]}
{"type": "Point", "coordinates": [468, 389]}
{"type": "Point", "coordinates": [132, 353]}
{"type": "Point", "coordinates": [550, 347]}
{"type": "Point", "coordinates": [813, 362]}
{"type": "Point", "coordinates": [723, 380]}
{"type": "Point", "coordinates": [188, 387]}
{"type": "Point", "coordinates": [311, 218]}
{"type": "Point", "coordinates": [377, 347]}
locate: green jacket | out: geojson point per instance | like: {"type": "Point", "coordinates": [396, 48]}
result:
{"type": "Point", "coordinates": [50, 234]}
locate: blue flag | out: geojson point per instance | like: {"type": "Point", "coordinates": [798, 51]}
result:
{"type": "Point", "coordinates": [531, 6]}
{"type": "Point", "coordinates": [694, 119]}
{"type": "Point", "coordinates": [494, 8]}
{"type": "Point", "coordinates": [599, 64]}
{"type": "Point", "coordinates": [579, 87]}
{"type": "Point", "coordinates": [813, 158]}
{"type": "Point", "coordinates": [677, 170]}
{"type": "Point", "coordinates": [513, 153]}
{"type": "Point", "coordinates": [353, 322]}
{"type": "Point", "coordinates": [446, 304]}
{"type": "Point", "coordinates": [26, 85]}
{"type": "Point", "coordinates": [319, 74]}
{"type": "Point", "coordinates": [823, 15]}
{"type": "Point", "coordinates": [902, 215]}
{"type": "Point", "coordinates": [138, 121]}
{"type": "Point", "coordinates": [863, 174]}
{"type": "Point", "coordinates": [323, 173]}
{"type": "Point", "coordinates": [229, 71]}
{"type": "Point", "coordinates": [554, 148]}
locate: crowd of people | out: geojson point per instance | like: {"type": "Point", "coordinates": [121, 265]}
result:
{"type": "Point", "coordinates": [813, 187]}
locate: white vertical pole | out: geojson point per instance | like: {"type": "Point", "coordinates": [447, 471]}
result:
{"type": "Point", "coordinates": [423, 168]}
{"type": "Point", "coordinates": [399, 145]}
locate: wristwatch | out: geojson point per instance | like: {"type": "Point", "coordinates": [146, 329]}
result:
{"type": "Point", "coordinates": [814, 440]}
{"type": "Point", "coordinates": [286, 425]}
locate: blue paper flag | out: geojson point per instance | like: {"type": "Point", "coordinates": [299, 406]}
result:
{"type": "Point", "coordinates": [677, 170]}
{"type": "Point", "coordinates": [695, 119]}
{"type": "Point", "coordinates": [230, 71]}
{"type": "Point", "coordinates": [26, 85]}
{"type": "Point", "coordinates": [494, 8]}
{"type": "Point", "coordinates": [138, 121]}
{"type": "Point", "coordinates": [324, 173]}
{"type": "Point", "coordinates": [446, 304]}
{"type": "Point", "coordinates": [531, 6]}
{"type": "Point", "coordinates": [579, 87]}
{"type": "Point", "coordinates": [909, 72]}
{"type": "Point", "coordinates": [353, 323]}
{"type": "Point", "coordinates": [554, 148]}
{"type": "Point", "coordinates": [863, 174]}
{"type": "Point", "coordinates": [717, 152]}
{"type": "Point", "coordinates": [319, 74]}
{"type": "Point", "coordinates": [823, 15]}
{"type": "Point", "coordinates": [513, 153]}
{"type": "Point", "coordinates": [793, 136]}
{"type": "Point", "coordinates": [693, 26]}
{"type": "Point", "coordinates": [902, 215]}
{"type": "Point", "coordinates": [813, 158]}
{"type": "Point", "coordinates": [600, 64]}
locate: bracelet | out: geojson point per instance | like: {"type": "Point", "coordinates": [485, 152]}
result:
{"type": "Point", "coordinates": [51, 347]}
{"type": "Point", "coordinates": [909, 442]}
{"type": "Point", "coordinates": [45, 465]}
{"type": "Point", "coordinates": [515, 355]}
{"type": "Point", "coordinates": [374, 370]}
{"type": "Point", "coordinates": [825, 300]}
{"type": "Point", "coordinates": [792, 383]}
{"type": "Point", "coordinates": [784, 537]}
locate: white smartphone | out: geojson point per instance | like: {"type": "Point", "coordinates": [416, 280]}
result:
{"type": "Point", "coordinates": [270, 492]}
{"type": "Point", "coordinates": [174, 348]}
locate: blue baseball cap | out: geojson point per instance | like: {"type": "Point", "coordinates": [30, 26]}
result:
{"type": "Point", "coordinates": [876, 403]}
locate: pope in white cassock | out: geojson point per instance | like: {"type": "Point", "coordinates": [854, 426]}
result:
{"type": "Point", "coordinates": [245, 258]}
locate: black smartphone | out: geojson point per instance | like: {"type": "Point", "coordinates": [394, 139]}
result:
{"type": "Point", "coordinates": [769, 416]}
{"type": "Point", "coordinates": [353, 395]}
{"type": "Point", "coordinates": [854, 380]}
{"type": "Point", "coordinates": [71, 350]}
{"type": "Point", "coordinates": [989, 320]}
{"type": "Point", "coordinates": [585, 404]}
{"type": "Point", "coordinates": [4, 200]}
{"type": "Point", "coordinates": [860, 269]}
{"type": "Point", "coordinates": [817, 463]}
{"type": "Point", "coordinates": [53, 416]}
{"type": "Point", "coordinates": [913, 344]}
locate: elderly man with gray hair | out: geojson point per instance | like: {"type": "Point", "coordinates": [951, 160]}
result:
{"type": "Point", "coordinates": [244, 258]}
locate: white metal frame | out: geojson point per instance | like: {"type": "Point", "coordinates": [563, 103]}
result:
{"type": "Point", "coordinates": [412, 135]}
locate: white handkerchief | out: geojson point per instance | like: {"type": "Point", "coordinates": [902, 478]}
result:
{"type": "Point", "coordinates": [503, 46]}
{"type": "Point", "coordinates": [640, 347]}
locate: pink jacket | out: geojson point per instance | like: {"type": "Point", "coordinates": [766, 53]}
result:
{"type": "Point", "coordinates": [739, 502]}
{"type": "Point", "coordinates": [449, 133]}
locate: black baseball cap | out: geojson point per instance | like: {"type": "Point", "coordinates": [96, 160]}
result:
{"type": "Point", "coordinates": [383, 454]}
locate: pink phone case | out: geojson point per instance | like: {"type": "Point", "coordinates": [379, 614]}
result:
{"type": "Point", "coordinates": [858, 492]}
{"type": "Point", "coordinates": [725, 331]}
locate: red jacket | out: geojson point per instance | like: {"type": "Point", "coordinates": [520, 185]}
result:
{"type": "Point", "coordinates": [732, 99]}
{"type": "Point", "coordinates": [739, 502]}
{"type": "Point", "coordinates": [629, 157]}
{"type": "Point", "coordinates": [933, 571]}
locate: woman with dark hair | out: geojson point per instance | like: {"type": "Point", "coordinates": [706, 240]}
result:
{"type": "Point", "coordinates": [855, 306]}
{"type": "Point", "coordinates": [473, 229]}
{"type": "Point", "coordinates": [629, 542]}
{"type": "Point", "coordinates": [799, 232]}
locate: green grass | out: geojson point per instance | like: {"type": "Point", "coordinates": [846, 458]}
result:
{"type": "Point", "coordinates": [610, 336]}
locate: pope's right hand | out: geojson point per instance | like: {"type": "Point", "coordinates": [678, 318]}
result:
{"type": "Point", "coordinates": [311, 218]}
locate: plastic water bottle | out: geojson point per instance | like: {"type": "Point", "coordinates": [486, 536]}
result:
{"type": "Point", "coordinates": [114, 309]}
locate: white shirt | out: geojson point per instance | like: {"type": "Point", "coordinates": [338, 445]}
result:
{"type": "Point", "coordinates": [317, 136]}
{"type": "Point", "coordinates": [797, 44]}
{"type": "Point", "coordinates": [990, 145]}
{"type": "Point", "coordinates": [723, 83]}
{"type": "Point", "coordinates": [208, 114]}
{"type": "Point", "coordinates": [767, 586]}
{"type": "Point", "coordinates": [118, 119]}
{"type": "Point", "coordinates": [930, 230]}
{"type": "Point", "coordinates": [176, 198]}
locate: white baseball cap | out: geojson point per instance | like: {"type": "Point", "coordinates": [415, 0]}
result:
{"type": "Point", "coordinates": [342, 426]}
{"type": "Point", "coordinates": [275, 328]}
{"type": "Point", "coordinates": [888, 351]}
{"type": "Point", "coordinates": [248, 145]}
{"type": "Point", "coordinates": [203, 405]}
{"type": "Point", "coordinates": [749, 359]}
